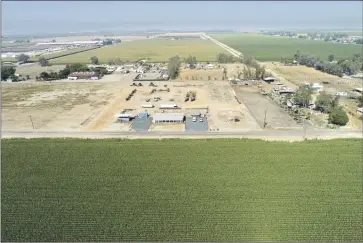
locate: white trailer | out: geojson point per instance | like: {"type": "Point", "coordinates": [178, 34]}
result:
{"type": "Point", "coordinates": [147, 106]}
{"type": "Point", "coordinates": [168, 106]}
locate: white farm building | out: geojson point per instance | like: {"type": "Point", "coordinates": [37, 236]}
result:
{"type": "Point", "coordinates": [168, 118]}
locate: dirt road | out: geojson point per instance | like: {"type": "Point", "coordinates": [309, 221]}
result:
{"type": "Point", "coordinates": [107, 116]}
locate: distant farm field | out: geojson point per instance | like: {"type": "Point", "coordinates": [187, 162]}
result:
{"type": "Point", "coordinates": [154, 50]}
{"type": "Point", "coordinates": [272, 48]}
{"type": "Point", "coordinates": [70, 190]}
{"type": "Point", "coordinates": [50, 55]}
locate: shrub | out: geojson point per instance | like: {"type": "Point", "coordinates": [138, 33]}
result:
{"type": "Point", "coordinates": [338, 117]}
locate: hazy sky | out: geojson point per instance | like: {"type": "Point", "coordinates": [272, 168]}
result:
{"type": "Point", "coordinates": [62, 17]}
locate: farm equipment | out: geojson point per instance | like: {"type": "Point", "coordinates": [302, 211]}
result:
{"type": "Point", "coordinates": [193, 95]}
{"type": "Point", "coordinates": [152, 85]}
{"type": "Point", "coordinates": [187, 97]}
{"type": "Point", "coordinates": [131, 94]}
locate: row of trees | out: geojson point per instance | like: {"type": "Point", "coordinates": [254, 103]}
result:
{"type": "Point", "coordinates": [339, 68]}
{"type": "Point", "coordinates": [70, 68]}
{"type": "Point", "coordinates": [227, 58]}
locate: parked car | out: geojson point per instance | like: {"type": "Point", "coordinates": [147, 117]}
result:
{"type": "Point", "coordinates": [201, 119]}
{"type": "Point", "coordinates": [194, 119]}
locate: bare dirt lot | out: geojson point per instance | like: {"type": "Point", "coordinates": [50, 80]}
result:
{"type": "Point", "coordinates": [92, 106]}
{"type": "Point", "coordinates": [258, 104]}
{"type": "Point", "coordinates": [56, 106]}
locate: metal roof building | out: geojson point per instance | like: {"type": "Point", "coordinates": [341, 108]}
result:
{"type": "Point", "coordinates": [168, 118]}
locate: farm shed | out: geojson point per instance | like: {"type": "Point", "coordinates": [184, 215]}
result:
{"type": "Point", "coordinates": [269, 79]}
{"type": "Point", "coordinates": [124, 117]}
{"type": "Point", "coordinates": [84, 75]}
{"type": "Point", "coordinates": [168, 118]}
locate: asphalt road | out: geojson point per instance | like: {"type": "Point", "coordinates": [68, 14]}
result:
{"type": "Point", "coordinates": [263, 134]}
{"type": "Point", "coordinates": [227, 48]}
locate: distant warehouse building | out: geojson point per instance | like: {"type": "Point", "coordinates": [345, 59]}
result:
{"type": "Point", "coordinates": [84, 75]}
{"type": "Point", "coordinates": [168, 118]}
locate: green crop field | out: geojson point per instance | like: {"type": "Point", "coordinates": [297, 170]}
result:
{"type": "Point", "coordinates": [155, 50]}
{"type": "Point", "coordinates": [181, 190]}
{"type": "Point", "coordinates": [272, 48]}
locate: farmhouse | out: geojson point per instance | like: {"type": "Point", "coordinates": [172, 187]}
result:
{"type": "Point", "coordinates": [317, 87]}
{"type": "Point", "coordinates": [84, 75]}
{"type": "Point", "coordinates": [168, 118]}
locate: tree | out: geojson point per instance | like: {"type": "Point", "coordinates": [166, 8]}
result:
{"type": "Point", "coordinates": [297, 55]}
{"type": "Point", "coordinates": [43, 62]}
{"type": "Point", "coordinates": [350, 67]}
{"type": "Point", "coordinates": [44, 76]}
{"type": "Point", "coordinates": [192, 61]}
{"type": "Point", "coordinates": [224, 73]}
{"type": "Point", "coordinates": [360, 101]}
{"type": "Point", "coordinates": [174, 67]}
{"type": "Point", "coordinates": [263, 72]}
{"type": "Point", "coordinates": [338, 117]}
{"type": "Point", "coordinates": [7, 72]}
{"type": "Point", "coordinates": [331, 57]}
{"type": "Point", "coordinates": [239, 72]}
{"type": "Point", "coordinates": [77, 67]}
{"type": "Point", "coordinates": [303, 95]}
{"type": "Point", "coordinates": [225, 58]}
{"type": "Point", "coordinates": [324, 102]}
{"type": "Point", "coordinates": [64, 73]}
{"type": "Point", "coordinates": [94, 60]}
{"type": "Point", "coordinates": [22, 58]}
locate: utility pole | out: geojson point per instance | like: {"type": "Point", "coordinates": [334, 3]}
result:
{"type": "Point", "coordinates": [31, 120]}
{"type": "Point", "coordinates": [264, 120]}
{"type": "Point", "coordinates": [304, 129]}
